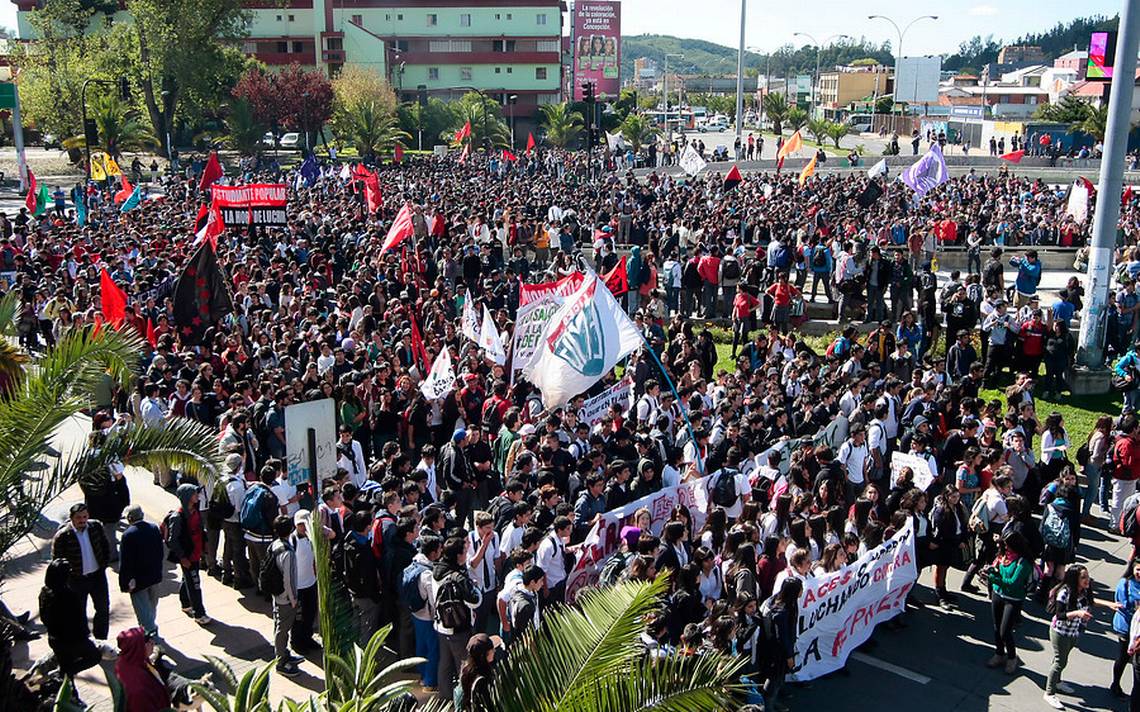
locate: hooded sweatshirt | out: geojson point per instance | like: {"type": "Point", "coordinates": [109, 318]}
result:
{"type": "Point", "coordinates": [186, 536]}
{"type": "Point", "coordinates": [144, 688]}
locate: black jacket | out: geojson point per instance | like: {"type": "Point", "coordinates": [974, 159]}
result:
{"type": "Point", "coordinates": [65, 545]}
{"type": "Point", "coordinates": [140, 556]}
{"type": "Point", "coordinates": [361, 574]}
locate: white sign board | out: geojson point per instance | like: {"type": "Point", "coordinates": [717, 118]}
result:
{"type": "Point", "coordinates": [916, 80]}
{"type": "Point", "coordinates": [923, 477]}
{"type": "Point", "coordinates": [596, 407]}
{"type": "Point", "coordinates": [320, 416]}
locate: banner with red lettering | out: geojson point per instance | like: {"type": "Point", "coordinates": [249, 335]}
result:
{"type": "Point", "coordinates": [839, 611]}
{"type": "Point", "coordinates": [537, 304]}
{"type": "Point", "coordinates": [252, 204]}
{"type": "Point", "coordinates": [605, 536]}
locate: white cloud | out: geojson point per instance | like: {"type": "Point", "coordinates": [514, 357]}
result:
{"type": "Point", "coordinates": [982, 11]}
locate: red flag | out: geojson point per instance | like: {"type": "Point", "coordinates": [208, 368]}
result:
{"type": "Point", "coordinates": [112, 299]}
{"type": "Point", "coordinates": [30, 199]}
{"type": "Point", "coordinates": [1126, 197]}
{"type": "Point", "coordinates": [401, 229]}
{"type": "Point", "coordinates": [372, 193]}
{"type": "Point", "coordinates": [419, 353]}
{"type": "Point", "coordinates": [1013, 156]}
{"type": "Point", "coordinates": [151, 335]}
{"type": "Point", "coordinates": [529, 143]}
{"type": "Point", "coordinates": [732, 179]}
{"type": "Point", "coordinates": [463, 156]}
{"type": "Point", "coordinates": [212, 228]}
{"type": "Point", "coordinates": [126, 190]}
{"type": "Point", "coordinates": [203, 216]}
{"type": "Point", "coordinates": [398, 153]}
{"type": "Point", "coordinates": [463, 133]}
{"type": "Point", "coordinates": [508, 156]}
{"type": "Point", "coordinates": [211, 173]}
{"type": "Point", "coordinates": [1088, 185]}
{"type": "Point", "coordinates": [617, 279]}
{"type": "Point", "coordinates": [98, 325]}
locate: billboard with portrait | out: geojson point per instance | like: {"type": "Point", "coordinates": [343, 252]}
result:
{"type": "Point", "coordinates": [1102, 55]}
{"type": "Point", "coordinates": [597, 47]}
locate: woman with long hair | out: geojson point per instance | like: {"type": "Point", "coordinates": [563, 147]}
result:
{"type": "Point", "coordinates": [1099, 443]}
{"type": "Point", "coordinates": [949, 539]}
{"type": "Point", "coordinates": [742, 573]}
{"type": "Point", "coordinates": [775, 521]}
{"type": "Point", "coordinates": [1127, 601]}
{"type": "Point", "coordinates": [772, 562]}
{"type": "Point", "coordinates": [834, 557]}
{"type": "Point", "coordinates": [1008, 580]}
{"type": "Point", "coordinates": [784, 611]}
{"type": "Point", "coordinates": [799, 531]}
{"type": "Point", "coordinates": [1071, 603]}
{"type": "Point", "coordinates": [477, 673]}
{"type": "Point", "coordinates": [968, 476]}
{"type": "Point", "coordinates": [713, 533]}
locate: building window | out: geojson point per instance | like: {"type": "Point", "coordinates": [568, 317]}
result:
{"type": "Point", "coordinates": [548, 46]}
{"type": "Point", "coordinates": [509, 70]}
{"type": "Point", "coordinates": [449, 45]}
{"type": "Point", "coordinates": [292, 18]}
{"type": "Point", "coordinates": [498, 70]}
{"type": "Point", "coordinates": [279, 18]}
{"type": "Point", "coordinates": [358, 19]}
{"type": "Point", "coordinates": [465, 73]}
{"type": "Point", "coordinates": [400, 17]}
{"type": "Point", "coordinates": [508, 16]}
{"type": "Point", "coordinates": [433, 73]}
{"type": "Point", "coordinates": [497, 16]}
{"type": "Point", "coordinates": [400, 45]}
{"type": "Point", "coordinates": [502, 45]}
{"type": "Point", "coordinates": [465, 19]}
{"type": "Point", "coordinates": [283, 47]}
{"type": "Point", "coordinates": [334, 43]}
{"type": "Point", "coordinates": [299, 47]}
{"type": "Point", "coordinates": [387, 17]}
{"type": "Point", "coordinates": [540, 72]}
{"type": "Point", "coordinates": [540, 19]}
{"type": "Point", "coordinates": [432, 19]}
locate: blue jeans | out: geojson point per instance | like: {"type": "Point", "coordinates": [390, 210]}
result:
{"type": "Point", "coordinates": [145, 603]}
{"type": "Point", "coordinates": [427, 647]}
{"type": "Point", "coordinates": [1092, 488]}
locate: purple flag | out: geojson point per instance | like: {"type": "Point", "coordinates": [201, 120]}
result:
{"type": "Point", "coordinates": [928, 172]}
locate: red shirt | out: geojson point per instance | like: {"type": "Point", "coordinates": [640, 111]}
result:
{"type": "Point", "coordinates": [709, 269]}
{"type": "Point", "coordinates": [743, 303]}
{"type": "Point", "coordinates": [782, 293]}
{"type": "Point", "coordinates": [1032, 339]}
{"type": "Point", "coordinates": [1126, 454]}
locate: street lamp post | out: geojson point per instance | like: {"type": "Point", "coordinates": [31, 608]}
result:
{"type": "Point", "coordinates": [818, 49]}
{"type": "Point", "coordinates": [898, 50]}
{"type": "Point", "coordinates": [511, 100]}
{"type": "Point", "coordinates": [665, 91]}
{"type": "Point", "coordinates": [740, 75]}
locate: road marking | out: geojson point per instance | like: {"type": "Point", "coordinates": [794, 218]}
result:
{"type": "Point", "coordinates": [891, 667]}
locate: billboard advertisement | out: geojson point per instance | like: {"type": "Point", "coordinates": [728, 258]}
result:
{"type": "Point", "coordinates": [917, 79]}
{"type": "Point", "coordinates": [597, 47]}
{"type": "Point", "coordinates": [1102, 55]}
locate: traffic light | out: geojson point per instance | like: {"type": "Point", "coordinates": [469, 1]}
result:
{"type": "Point", "coordinates": [124, 89]}
{"type": "Point", "coordinates": [91, 132]}
{"type": "Point", "coordinates": [588, 92]}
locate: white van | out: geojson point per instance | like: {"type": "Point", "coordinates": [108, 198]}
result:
{"type": "Point", "coordinates": [860, 123]}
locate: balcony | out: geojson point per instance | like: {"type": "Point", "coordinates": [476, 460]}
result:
{"type": "Point", "coordinates": [503, 58]}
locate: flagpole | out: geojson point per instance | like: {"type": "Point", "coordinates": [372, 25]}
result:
{"type": "Point", "coordinates": [673, 388]}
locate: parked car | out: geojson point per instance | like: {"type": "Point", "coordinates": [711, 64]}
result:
{"type": "Point", "coordinates": [291, 140]}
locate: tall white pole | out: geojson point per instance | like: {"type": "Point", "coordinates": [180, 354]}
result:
{"type": "Point", "coordinates": [1090, 346]}
{"type": "Point", "coordinates": [740, 74]}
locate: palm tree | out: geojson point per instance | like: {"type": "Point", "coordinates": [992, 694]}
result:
{"type": "Point", "coordinates": [244, 131]}
{"type": "Point", "coordinates": [485, 126]}
{"type": "Point", "coordinates": [120, 127]}
{"type": "Point", "coordinates": [39, 395]}
{"type": "Point", "coordinates": [562, 124]}
{"type": "Point", "coordinates": [836, 130]}
{"type": "Point", "coordinates": [639, 130]}
{"type": "Point", "coordinates": [372, 129]}
{"type": "Point", "coordinates": [818, 129]}
{"type": "Point", "coordinates": [1094, 122]}
{"type": "Point", "coordinates": [776, 109]}
{"type": "Point", "coordinates": [796, 117]}
{"type": "Point", "coordinates": [591, 658]}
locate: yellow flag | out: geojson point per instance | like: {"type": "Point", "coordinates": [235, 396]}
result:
{"type": "Point", "coordinates": [98, 169]}
{"type": "Point", "coordinates": [794, 143]}
{"type": "Point", "coordinates": [809, 169]}
{"type": "Point", "coordinates": [112, 167]}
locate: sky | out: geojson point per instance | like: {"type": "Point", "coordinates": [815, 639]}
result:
{"type": "Point", "coordinates": [768, 28]}
{"type": "Point", "coordinates": [719, 20]}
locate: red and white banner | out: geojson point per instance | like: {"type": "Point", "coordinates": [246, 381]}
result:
{"type": "Point", "coordinates": [839, 611]}
{"type": "Point", "coordinates": [252, 204]}
{"type": "Point", "coordinates": [537, 304]}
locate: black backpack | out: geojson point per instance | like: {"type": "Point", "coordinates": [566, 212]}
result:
{"type": "Point", "coordinates": [613, 568]}
{"type": "Point", "coordinates": [270, 579]}
{"type": "Point", "coordinates": [724, 488]}
{"type": "Point", "coordinates": [450, 602]}
{"type": "Point", "coordinates": [220, 506]}
{"type": "Point", "coordinates": [819, 257]}
{"type": "Point", "coordinates": [730, 268]}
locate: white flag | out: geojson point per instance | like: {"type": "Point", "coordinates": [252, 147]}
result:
{"type": "Point", "coordinates": [584, 340]}
{"type": "Point", "coordinates": [615, 140]}
{"type": "Point", "coordinates": [441, 379]}
{"type": "Point", "coordinates": [469, 326]}
{"type": "Point", "coordinates": [345, 173]}
{"type": "Point", "coordinates": [691, 161]}
{"type": "Point", "coordinates": [489, 339]}
{"type": "Point", "coordinates": [1078, 205]}
{"type": "Point", "coordinates": [879, 169]}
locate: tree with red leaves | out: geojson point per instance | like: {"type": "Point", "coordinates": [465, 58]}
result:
{"type": "Point", "coordinates": [295, 98]}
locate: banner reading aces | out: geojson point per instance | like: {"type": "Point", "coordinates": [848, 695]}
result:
{"type": "Point", "coordinates": [839, 611]}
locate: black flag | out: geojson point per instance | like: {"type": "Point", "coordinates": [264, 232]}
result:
{"type": "Point", "coordinates": [732, 179]}
{"type": "Point", "coordinates": [870, 194]}
{"type": "Point", "coordinates": [201, 295]}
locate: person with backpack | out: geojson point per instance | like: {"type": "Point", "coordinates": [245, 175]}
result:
{"type": "Point", "coordinates": [259, 509]}
{"type": "Point", "coordinates": [185, 542]}
{"type": "Point", "coordinates": [415, 595]}
{"type": "Point", "coordinates": [1060, 526]}
{"type": "Point", "coordinates": [1127, 599]}
{"type": "Point", "coordinates": [525, 606]}
{"type": "Point", "coordinates": [1070, 604]}
{"type": "Point", "coordinates": [1009, 578]}
{"type": "Point", "coordinates": [224, 508]}
{"type": "Point", "coordinates": [555, 559]}
{"type": "Point", "coordinates": [1126, 456]}
{"type": "Point", "coordinates": [987, 518]}
{"type": "Point", "coordinates": [454, 600]}
{"type": "Point", "coordinates": [729, 487]}
{"type": "Point", "coordinates": [278, 578]}
{"type": "Point", "coordinates": [302, 631]}
{"type": "Point", "coordinates": [362, 576]}
{"type": "Point", "coordinates": [779, 616]}
{"type": "Point", "coordinates": [821, 266]}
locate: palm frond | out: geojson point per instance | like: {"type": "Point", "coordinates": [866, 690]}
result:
{"type": "Point", "coordinates": [673, 683]}
{"type": "Point", "coordinates": [9, 310]}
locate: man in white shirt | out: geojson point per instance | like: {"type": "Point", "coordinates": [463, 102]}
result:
{"type": "Point", "coordinates": [878, 445]}
{"type": "Point", "coordinates": [483, 561]}
{"type": "Point", "coordinates": [84, 545]}
{"type": "Point", "coordinates": [302, 633]}
{"type": "Point", "coordinates": [350, 457]}
{"type": "Point", "coordinates": [647, 405]}
{"type": "Point", "coordinates": [853, 456]}
{"type": "Point", "coordinates": [551, 558]}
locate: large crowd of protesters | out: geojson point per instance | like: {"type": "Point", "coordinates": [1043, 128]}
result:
{"type": "Point", "coordinates": [460, 518]}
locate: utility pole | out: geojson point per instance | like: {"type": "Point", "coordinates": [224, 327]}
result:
{"type": "Point", "coordinates": [1090, 346]}
{"type": "Point", "coordinates": [740, 76]}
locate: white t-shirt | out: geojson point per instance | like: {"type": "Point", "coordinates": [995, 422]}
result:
{"type": "Point", "coordinates": [286, 492]}
{"type": "Point", "coordinates": [743, 488]}
{"type": "Point", "coordinates": [854, 457]}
